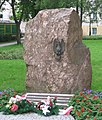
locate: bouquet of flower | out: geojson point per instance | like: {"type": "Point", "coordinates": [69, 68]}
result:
{"type": "Point", "coordinates": [18, 105]}
{"type": "Point", "coordinates": [47, 107]}
{"type": "Point", "coordinates": [5, 96]}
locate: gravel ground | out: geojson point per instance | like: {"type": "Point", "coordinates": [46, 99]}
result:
{"type": "Point", "coordinates": [33, 116]}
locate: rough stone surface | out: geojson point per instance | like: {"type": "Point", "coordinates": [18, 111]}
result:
{"type": "Point", "coordinates": [34, 116]}
{"type": "Point", "coordinates": [44, 72]}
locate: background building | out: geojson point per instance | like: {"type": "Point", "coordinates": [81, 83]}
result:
{"type": "Point", "coordinates": [96, 28]}
{"type": "Point", "coordinates": [6, 12]}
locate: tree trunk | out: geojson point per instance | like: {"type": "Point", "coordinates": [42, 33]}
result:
{"type": "Point", "coordinates": [18, 33]}
{"type": "Point", "coordinates": [90, 25]}
{"type": "Point", "coordinates": [81, 12]}
{"type": "Point", "coordinates": [77, 6]}
{"type": "Point", "coordinates": [89, 29]}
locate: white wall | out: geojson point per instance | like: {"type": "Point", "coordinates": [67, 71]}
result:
{"type": "Point", "coordinates": [7, 11]}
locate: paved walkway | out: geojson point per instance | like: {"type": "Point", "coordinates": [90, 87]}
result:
{"type": "Point", "coordinates": [7, 44]}
{"type": "Point", "coordinates": [10, 43]}
{"type": "Point", "coordinates": [33, 116]}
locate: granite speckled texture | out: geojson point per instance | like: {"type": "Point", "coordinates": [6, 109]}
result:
{"type": "Point", "coordinates": [46, 74]}
{"type": "Point", "coordinates": [34, 116]}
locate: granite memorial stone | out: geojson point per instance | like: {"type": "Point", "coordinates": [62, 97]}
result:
{"type": "Point", "coordinates": [57, 61]}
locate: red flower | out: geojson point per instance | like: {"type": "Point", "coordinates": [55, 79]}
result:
{"type": "Point", "coordinates": [100, 109]}
{"type": "Point", "coordinates": [88, 103]}
{"type": "Point", "coordinates": [89, 110]}
{"type": "Point", "coordinates": [51, 104]}
{"type": "Point", "coordinates": [81, 93]}
{"type": "Point", "coordinates": [85, 97]}
{"type": "Point", "coordinates": [82, 109]}
{"type": "Point", "coordinates": [95, 97]}
{"type": "Point", "coordinates": [78, 113]}
{"type": "Point", "coordinates": [14, 107]}
{"type": "Point", "coordinates": [83, 100]}
{"type": "Point", "coordinates": [96, 106]}
{"type": "Point", "coordinates": [95, 119]}
{"type": "Point", "coordinates": [77, 101]}
{"type": "Point", "coordinates": [14, 96]}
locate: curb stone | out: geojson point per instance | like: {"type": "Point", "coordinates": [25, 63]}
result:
{"type": "Point", "coordinates": [34, 116]}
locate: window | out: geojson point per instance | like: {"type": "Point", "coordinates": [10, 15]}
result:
{"type": "Point", "coordinates": [94, 31]}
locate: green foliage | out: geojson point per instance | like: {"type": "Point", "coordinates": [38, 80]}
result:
{"type": "Point", "coordinates": [11, 52]}
{"type": "Point", "coordinates": [92, 12]}
{"type": "Point", "coordinates": [7, 38]}
{"type": "Point", "coordinates": [51, 4]}
{"type": "Point", "coordinates": [5, 96]}
{"type": "Point", "coordinates": [32, 7]}
{"type": "Point", "coordinates": [86, 105]}
{"type": "Point", "coordinates": [54, 108]}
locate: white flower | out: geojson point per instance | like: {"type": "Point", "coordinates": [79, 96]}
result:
{"type": "Point", "coordinates": [8, 105]}
{"type": "Point", "coordinates": [12, 100]}
{"type": "Point", "coordinates": [19, 98]}
{"type": "Point", "coordinates": [48, 100]}
{"type": "Point", "coordinates": [45, 110]}
{"type": "Point", "coordinates": [16, 98]}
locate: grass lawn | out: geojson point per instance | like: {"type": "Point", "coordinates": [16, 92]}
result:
{"type": "Point", "coordinates": [13, 72]}
{"type": "Point", "coordinates": [12, 75]}
{"type": "Point", "coordinates": [96, 60]}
